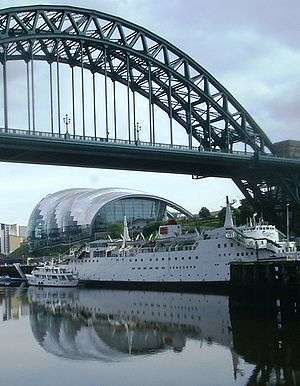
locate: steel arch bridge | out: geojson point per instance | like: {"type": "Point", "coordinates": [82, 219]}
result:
{"type": "Point", "coordinates": [220, 137]}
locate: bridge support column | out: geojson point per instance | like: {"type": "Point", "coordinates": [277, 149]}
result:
{"type": "Point", "coordinates": [94, 102]}
{"type": "Point", "coordinates": [189, 119]}
{"type": "Point", "coordinates": [153, 123]}
{"type": "Point", "coordinates": [128, 98]}
{"type": "Point", "coordinates": [150, 102]}
{"type": "Point", "coordinates": [28, 96]}
{"type": "Point", "coordinates": [51, 98]}
{"type": "Point", "coordinates": [105, 93]}
{"type": "Point", "coordinates": [170, 110]}
{"type": "Point", "coordinates": [73, 101]}
{"type": "Point", "coordinates": [115, 108]}
{"type": "Point", "coordinates": [32, 90]}
{"type": "Point", "coordinates": [58, 91]}
{"type": "Point", "coordinates": [5, 103]}
{"type": "Point", "coordinates": [134, 117]}
{"type": "Point", "coordinates": [82, 92]}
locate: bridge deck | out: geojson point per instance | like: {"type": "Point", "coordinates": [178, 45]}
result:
{"type": "Point", "coordinates": [22, 146]}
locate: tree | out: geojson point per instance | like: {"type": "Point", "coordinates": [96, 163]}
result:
{"type": "Point", "coordinates": [245, 211]}
{"type": "Point", "coordinates": [115, 230]}
{"type": "Point", "coordinates": [151, 228]}
{"type": "Point", "coordinates": [221, 215]}
{"type": "Point", "coordinates": [204, 213]}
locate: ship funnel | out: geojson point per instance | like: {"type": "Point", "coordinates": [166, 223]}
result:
{"type": "Point", "coordinates": [228, 223]}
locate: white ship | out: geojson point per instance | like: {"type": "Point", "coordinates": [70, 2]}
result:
{"type": "Point", "coordinates": [173, 258]}
{"type": "Point", "coordinates": [52, 276]}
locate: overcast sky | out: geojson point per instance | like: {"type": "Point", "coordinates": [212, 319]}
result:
{"type": "Point", "coordinates": [251, 47]}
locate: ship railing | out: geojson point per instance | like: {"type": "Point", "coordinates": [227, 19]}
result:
{"type": "Point", "coordinates": [147, 249]}
{"type": "Point", "coordinates": [251, 242]}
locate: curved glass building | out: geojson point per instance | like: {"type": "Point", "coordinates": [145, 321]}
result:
{"type": "Point", "coordinates": [75, 214]}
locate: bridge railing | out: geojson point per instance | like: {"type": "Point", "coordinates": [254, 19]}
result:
{"type": "Point", "coordinates": [136, 144]}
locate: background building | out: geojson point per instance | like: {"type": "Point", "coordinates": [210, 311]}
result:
{"type": "Point", "coordinates": [4, 239]}
{"type": "Point", "coordinates": [76, 214]}
{"type": "Point", "coordinates": [288, 148]}
{"type": "Point", "coordinates": [11, 237]}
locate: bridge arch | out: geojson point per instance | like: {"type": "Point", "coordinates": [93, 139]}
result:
{"type": "Point", "coordinates": [139, 59]}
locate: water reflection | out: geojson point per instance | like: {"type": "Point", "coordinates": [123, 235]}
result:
{"type": "Point", "coordinates": [111, 325]}
{"type": "Point", "coordinates": [263, 342]}
{"type": "Point", "coordinates": [13, 303]}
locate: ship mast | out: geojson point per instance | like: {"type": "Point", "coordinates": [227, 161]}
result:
{"type": "Point", "coordinates": [228, 223]}
{"type": "Point", "coordinates": [126, 236]}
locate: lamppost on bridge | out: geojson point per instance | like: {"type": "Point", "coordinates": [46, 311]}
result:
{"type": "Point", "coordinates": [287, 223]}
{"type": "Point", "coordinates": [138, 129]}
{"type": "Point", "coordinates": [67, 121]}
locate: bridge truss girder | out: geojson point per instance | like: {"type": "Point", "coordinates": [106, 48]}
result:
{"type": "Point", "coordinates": [149, 65]}
{"type": "Point", "coordinates": [135, 57]}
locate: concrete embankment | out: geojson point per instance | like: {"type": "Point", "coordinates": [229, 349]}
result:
{"type": "Point", "coordinates": [272, 274]}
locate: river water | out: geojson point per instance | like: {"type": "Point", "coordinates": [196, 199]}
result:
{"type": "Point", "coordinates": [92, 337]}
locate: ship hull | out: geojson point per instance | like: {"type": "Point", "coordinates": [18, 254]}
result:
{"type": "Point", "coordinates": [157, 286]}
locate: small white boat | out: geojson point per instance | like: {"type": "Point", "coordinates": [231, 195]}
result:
{"type": "Point", "coordinates": [52, 276]}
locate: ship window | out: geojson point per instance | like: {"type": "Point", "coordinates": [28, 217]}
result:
{"type": "Point", "coordinates": [219, 245]}
{"type": "Point", "coordinates": [242, 254]}
{"type": "Point", "coordinates": [169, 258]}
{"type": "Point", "coordinates": [163, 258]}
{"type": "Point", "coordinates": [139, 267]}
{"type": "Point", "coordinates": [182, 258]}
{"type": "Point", "coordinates": [197, 257]}
{"type": "Point", "coordinates": [133, 268]}
{"type": "Point", "coordinates": [156, 267]}
{"type": "Point", "coordinates": [175, 258]}
{"type": "Point", "coordinates": [135, 259]}
{"type": "Point", "coordinates": [225, 245]}
{"type": "Point", "coordinates": [190, 258]}
{"type": "Point", "coordinates": [156, 259]}
{"type": "Point", "coordinates": [231, 244]}
{"type": "Point", "coordinates": [238, 254]}
{"type": "Point", "coordinates": [145, 268]}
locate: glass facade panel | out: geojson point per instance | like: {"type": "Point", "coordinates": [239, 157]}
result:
{"type": "Point", "coordinates": [138, 212]}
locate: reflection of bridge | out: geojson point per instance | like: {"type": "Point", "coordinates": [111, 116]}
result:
{"type": "Point", "coordinates": [153, 109]}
